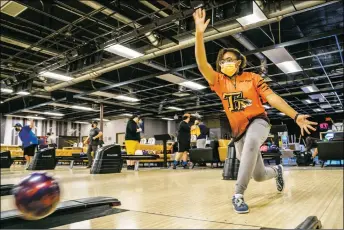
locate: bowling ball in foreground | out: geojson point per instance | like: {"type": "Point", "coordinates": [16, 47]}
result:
{"type": "Point", "coordinates": [37, 196]}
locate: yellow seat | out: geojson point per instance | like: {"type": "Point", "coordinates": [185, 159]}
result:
{"type": "Point", "coordinates": [224, 143]}
{"type": "Point", "coordinates": [223, 149]}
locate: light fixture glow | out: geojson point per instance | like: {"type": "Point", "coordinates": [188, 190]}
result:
{"type": "Point", "coordinates": [98, 119]}
{"type": "Point", "coordinates": [266, 106]}
{"type": "Point", "coordinates": [168, 119]}
{"type": "Point", "coordinates": [282, 114]}
{"type": "Point", "coordinates": [56, 76]}
{"type": "Point", "coordinates": [35, 117]}
{"type": "Point", "coordinates": [309, 89]}
{"type": "Point", "coordinates": [54, 114]}
{"type": "Point", "coordinates": [82, 108]}
{"type": "Point", "coordinates": [23, 93]}
{"type": "Point", "coordinates": [126, 98]}
{"type": "Point", "coordinates": [289, 67]}
{"type": "Point", "coordinates": [127, 114]}
{"type": "Point", "coordinates": [339, 111]}
{"type": "Point", "coordinates": [123, 51]}
{"type": "Point", "coordinates": [5, 90]}
{"type": "Point", "coordinates": [307, 101]}
{"type": "Point", "coordinates": [175, 108]}
{"type": "Point", "coordinates": [256, 16]}
{"type": "Point", "coordinates": [325, 106]}
{"type": "Point", "coordinates": [317, 110]}
{"type": "Point", "coordinates": [28, 117]}
{"type": "Point", "coordinates": [192, 85]}
{"type": "Point", "coordinates": [81, 122]}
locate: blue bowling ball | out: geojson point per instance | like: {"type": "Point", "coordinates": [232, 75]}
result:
{"type": "Point", "coordinates": [37, 196]}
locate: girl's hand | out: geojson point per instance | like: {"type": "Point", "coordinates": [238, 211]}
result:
{"type": "Point", "coordinates": [305, 124]}
{"type": "Point", "coordinates": [199, 17]}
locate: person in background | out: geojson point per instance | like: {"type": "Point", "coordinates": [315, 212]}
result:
{"type": "Point", "coordinates": [195, 132]}
{"type": "Point", "coordinates": [184, 136]}
{"type": "Point", "coordinates": [51, 140]}
{"type": "Point", "coordinates": [29, 140]}
{"type": "Point", "coordinates": [93, 139]}
{"type": "Point", "coordinates": [242, 95]}
{"type": "Point", "coordinates": [203, 133]}
{"type": "Point", "coordinates": [132, 139]}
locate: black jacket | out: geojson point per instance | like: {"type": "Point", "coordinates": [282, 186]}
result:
{"type": "Point", "coordinates": [131, 131]}
{"type": "Point", "coordinates": [184, 132]}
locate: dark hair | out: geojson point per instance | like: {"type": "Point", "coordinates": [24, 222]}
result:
{"type": "Point", "coordinates": [238, 55]}
{"type": "Point", "coordinates": [185, 117]}
{"type": "Point", "coordinates": [95, 122]}
{"type": "Point", "coordinates": [48, 134]}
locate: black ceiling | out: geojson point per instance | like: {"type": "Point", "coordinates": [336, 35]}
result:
{"type": "Point", "coordinates": [49, 34]}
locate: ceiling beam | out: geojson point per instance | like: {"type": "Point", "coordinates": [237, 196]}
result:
{"type": "Point", "coordinates": [296, 42]}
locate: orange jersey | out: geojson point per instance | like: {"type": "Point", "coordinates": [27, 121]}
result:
{"type": "Point", "coordinates": [242, 98]}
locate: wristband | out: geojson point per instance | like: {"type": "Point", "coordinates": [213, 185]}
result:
{"type": "Point", "coordinates": [296, 116]}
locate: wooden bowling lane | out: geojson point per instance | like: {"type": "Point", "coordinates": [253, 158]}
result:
{"type": "Point", "coordinates": [139, 220]}
{"type": "Point", "coordinates": [333, 215]}
{"type": "Point", "coordinates": [201, 196]}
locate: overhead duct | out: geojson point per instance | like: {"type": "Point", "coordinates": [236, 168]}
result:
{"type": "Point", "coordinates": [249, 45]}
{"type": "Point", "coordinates": [95, 5]}
{"type": "Point", "coordinates": [26, 45]}
{"type": "Point", "coordinates": [211, 34]}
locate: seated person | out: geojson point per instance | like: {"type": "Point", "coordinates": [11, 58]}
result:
{"type": "Point", "coordinates": [311, 145]}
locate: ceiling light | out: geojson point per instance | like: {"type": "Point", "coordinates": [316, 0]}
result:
{"type": "Point", "coordinates": [5, 90]}
{"type": "Point", "coordinates": [98, 119]}
{"type": "Point", "coordinates": [282, 114]}
{"type": "Point", "coordinates": [171, 78]}
{"type": "Point", "coordinates": [28, 117]}
{"type": "Point", "coordinates": [168, 119]}
{"type": "Point", "coordinates": [12, 8]}
{"type": "Point", "coordinates": [266, 106]}
{"type": "Point", "coordinates": [127, 114]}
{"type": "Point", "coordinates": [283, 60]}
{"type": "Point", "coordinates": [180, 94]}
{"type": "Point", "coordinates": [192, 85]}
{"type": "Point", "coordinates": [317, 110]}
{"type": "Point", "coordinates": [308, 101]}
{"type": "Point", "coordinates": [126, 98]}
{"type": "Point", "coordinates": [339, 111]}
{"type": "Point", "coordinates": [325, 106]}
{"type": "Point", "coordinates": [35, 117]}
{"type": "Point", "coordinates": [81, 122]}
{"type": "Point", "coordinates": [23, 93]}
{"type": "Point", "coordinates": [56, 76]}
{"type": "Point", "coordinates": [256, 16]}
{"type": "Point", "coordinates": [123, 51]}
{"type": "Point", "coordinates": [289, 67]}
{"type": "Point", "coordinates": [54, 114]}
{"type": "Point", "coordinates": [82, 108]}
{"type": "Point", "coordinates": [309, 89]}
{"type": "Point", "coordinates": [175, 108]}
{"type": "Point", "coordinates": [1, 102]}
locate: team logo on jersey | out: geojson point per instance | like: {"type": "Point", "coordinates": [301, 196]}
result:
{"type": "Point", "coordinates": [236, 101]}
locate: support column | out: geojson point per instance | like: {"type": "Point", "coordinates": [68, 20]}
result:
{"type": "Point", "coordinates": [101, 118]}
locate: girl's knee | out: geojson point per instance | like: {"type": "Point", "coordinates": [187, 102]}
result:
{"type": "Point", "coordinates": [259, 177]}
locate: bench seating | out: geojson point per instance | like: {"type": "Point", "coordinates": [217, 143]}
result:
{"type": "Point", "coordinates": [330, 150]}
